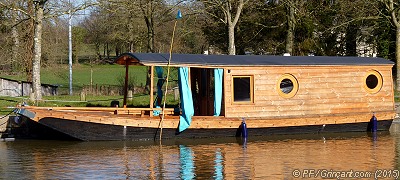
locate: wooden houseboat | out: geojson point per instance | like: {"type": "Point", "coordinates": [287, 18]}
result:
{"type": "Point", "coordinates": [273, 94]}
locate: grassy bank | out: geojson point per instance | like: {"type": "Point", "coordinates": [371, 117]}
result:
{"type": "Point", "coordinates": [100, 75]}
{"type": "Point", "coordinates": [83, 75]}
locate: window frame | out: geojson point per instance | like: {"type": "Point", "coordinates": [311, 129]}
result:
{"type": "Point", "coordinates": [251, 89]}
{"type": "Point", "coordinates": [378, 86]}
{"type": "Point", "coordinates": [295, 86]}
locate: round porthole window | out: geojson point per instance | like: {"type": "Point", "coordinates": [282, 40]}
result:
{"type": "Point", "coordinates": [373, 81]}
{"type": "Point", "coordinates": [287, 86]}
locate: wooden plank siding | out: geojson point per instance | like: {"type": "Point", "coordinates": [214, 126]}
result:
{"type": "Point", "coordinates": [322, 90]}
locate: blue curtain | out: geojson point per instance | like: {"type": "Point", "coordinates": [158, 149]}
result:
{"type": "Point", "coordinates": [218, 75]}
{"type": "Point", "coordinates": [160, 83]}
{"type": "Point", "coordinates": [186, 99]}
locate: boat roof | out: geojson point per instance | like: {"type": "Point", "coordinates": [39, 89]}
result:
{"type": "Point", "coordinates": [161, 59]}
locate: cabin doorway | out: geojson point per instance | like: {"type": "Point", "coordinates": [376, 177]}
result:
{"type": "Point", "coordinates": [202, 85]}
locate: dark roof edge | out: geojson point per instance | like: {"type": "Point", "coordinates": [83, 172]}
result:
{"type": "Point", "coordinates": [252, 60]}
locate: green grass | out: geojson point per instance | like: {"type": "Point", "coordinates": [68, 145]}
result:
{"type": "Point", "coordinates": [6, 104]}
{"type": "Point", "coordinates": [396, 96]}
{"type": "Point", "coordinates": [101, 74]}
{"type": "Point", "coordinates": [104, 74]}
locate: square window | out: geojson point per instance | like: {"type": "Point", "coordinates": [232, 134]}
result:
{"type": "Point", "coordinates": [242, 89]}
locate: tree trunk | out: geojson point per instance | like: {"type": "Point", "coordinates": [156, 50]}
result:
{"type": "Point", "coordinates": [104, 50]}
{"type": "Point", "coordinates": [394, 17]}
{"type": "Point", "coordinates": [398, 58]}
{"type": "Point", "coordinates": [232, 24]}
{"type": "Point", "coordinates": [16, 45]}
{"type": "Point", "coordinates": [117, 49]}
{"type": "Point", "coordinates": [231, 32]}
{"type": "Point", "coordinates": [36, 85]}
{"type": "Point", "coordinates": [351, 40]}
{"type": "Point", "coordinates": [290, 30]}
{"type": "Point", "coordinates": [97, 49]}
{"type": "Point", "coordinates": [131, 48]}
{"type": "Point", "coordinates": [147, 10]}
{"type": "Point", "coordinates": [108, 52]}
{"type": "Point", "coordinates": [150, 34]}
{"type": "Point", "coordinates": [30, 31]}
{"type": "Point", "coordinates": [150, 43]}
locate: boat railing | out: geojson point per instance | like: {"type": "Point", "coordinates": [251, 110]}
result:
{"type": "Point", "coordinates": [112, 110]}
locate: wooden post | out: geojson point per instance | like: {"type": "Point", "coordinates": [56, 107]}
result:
{"type": "Point", "coordinates": [130, 96]}
{"type": "Point", "coordinates": [126, 81]}
{"type": "Point", "coordinates": [190, 79]}
{"type": "Point", "coordinates": [176, 93]}
{"type": "Point", "coordinates": [151, 86]}
{"type": "Point", "coordinates": [83, 96]}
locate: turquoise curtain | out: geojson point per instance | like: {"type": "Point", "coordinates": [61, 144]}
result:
{"type": "Point", "coordinates": [186, 99]}
{"type": "Point", "coordinates": [218, 75]}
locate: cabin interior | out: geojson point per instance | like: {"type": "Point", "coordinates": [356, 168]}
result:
{"type": "Point", "coordinates": [203, 90]}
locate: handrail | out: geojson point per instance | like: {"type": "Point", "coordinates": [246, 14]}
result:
{"type": "Point", "coordinates": [97, 108]}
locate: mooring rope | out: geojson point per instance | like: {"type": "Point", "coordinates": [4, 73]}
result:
{"type": "Point", "coordinates": [6, 116]}
{"type": "Point", "coordinates": [3, 123]}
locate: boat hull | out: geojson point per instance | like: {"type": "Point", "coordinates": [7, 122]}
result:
{"type": "Point", "coordinates": [57, 128]}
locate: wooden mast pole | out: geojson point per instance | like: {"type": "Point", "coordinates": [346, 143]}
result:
{"type": "Point", "coordinates": [126, 80]}
{"type": "Point", "coordinates": [166, 81]}
{"type": "Point", "coordinates": [178, 16]}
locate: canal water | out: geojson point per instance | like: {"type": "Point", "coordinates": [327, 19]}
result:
{"type": "Point", "coordinates": [315, 156]}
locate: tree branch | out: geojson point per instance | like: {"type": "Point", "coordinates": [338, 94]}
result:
{"type": "Point", "coordinates": [16, 9]}
{"type": "Point", "coordinates": [353, 20]}
{"type": "Point", "coordinates": [238, 11]}
{"type": "Point", "coordinates": [393, 13]}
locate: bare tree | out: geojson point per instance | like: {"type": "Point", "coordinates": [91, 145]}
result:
{"type": "Point", "coordinates": [148, 7]}
{"type": "Point", "coordinates": [38, 19]}
{"type": "Point", "coordinates": [37, 16]}
{"type": "Point", "coordinates": [291, 24]}
{"type": "Point", "coordinates": [30, 41]}
{"type": "Point", "coordinates": [393, 8]}
{"type": "Point", "coordinates": [15, 37]}
{"type": "Point", "coordinates": [231, 12]}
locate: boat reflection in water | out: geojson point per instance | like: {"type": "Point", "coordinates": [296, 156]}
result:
{"type": "Point", "coordinates": [227, 158]}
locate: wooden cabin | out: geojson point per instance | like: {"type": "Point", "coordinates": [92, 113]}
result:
{"type": "Point", "coordinates": [277, 86]}
{"type": "Point", "coordinates": [272, 94]}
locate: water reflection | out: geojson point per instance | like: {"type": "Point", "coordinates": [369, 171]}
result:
{"type": "Point", "coordinates": [218, 172]}
{"type": "Point", "coordinates": [227, 158]}
{"type": "Point", "coordinates": [187, 165]}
